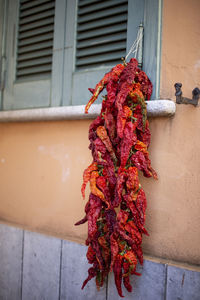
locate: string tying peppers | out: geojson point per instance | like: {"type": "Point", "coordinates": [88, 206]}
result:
{"type": "Point", "coordinates": [119, 141]}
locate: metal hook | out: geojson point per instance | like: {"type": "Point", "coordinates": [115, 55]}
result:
{"type": "Point", "coordinates": [184, 100]}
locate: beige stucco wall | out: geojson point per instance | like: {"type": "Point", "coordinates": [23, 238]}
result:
{"type": "Point", "coordinates": [180, 46]}
{"type": "Point", "coordinates": [41, 164]}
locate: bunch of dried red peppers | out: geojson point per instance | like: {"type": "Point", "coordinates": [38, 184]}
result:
{"type": "Point", "coordinates": [119, 139]}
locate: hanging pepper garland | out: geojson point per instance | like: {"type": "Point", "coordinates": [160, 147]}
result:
{"type": "Point", "coordinates": [119, 139]}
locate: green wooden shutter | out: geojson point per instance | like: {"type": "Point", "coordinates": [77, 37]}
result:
{"type": "Point", "coordinates": [101, 32]}
{"type": "Point", "coordinates": [35, 39]}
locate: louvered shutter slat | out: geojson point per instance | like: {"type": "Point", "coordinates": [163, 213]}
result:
{"type": "Point", "coordinates": [35, 39]}
{"type": "Point", "coordinates": [86, 2]}
{"type": "Point", "coordinates": [25, 1]}
{"type": "Point", "coordinates": [102, 14]}
{"type": "Point", "coordinates": [34, 62]}
{"type": "Point", "coordinates": [35, 47]}
{"type": "Point", "coordinates": [101, 49]}
{"type": "Point", "coordinates": [106, 21]}
{"type": "Point", "coordinates": [40, 16]}
{"type": "Point", "coordinates": [97, 59]}
{"type": "Point", "coordinates": [32, 3]}
{"type": "Point", "coordinates": [100, 5]}
{"type": "Point", "coordinates": [119, 36]}
{"type": "Point", "coordinates": [37, 24]}
{"type": "Point", "coordinates": [35, 70]}
{"type": "Point", "coordinates": [101, 32]}
{"type": "Point", "coordinates": [37, 9]}
{"type": "Point", "coordinates": [34, 54]}
{"type": "Point", "coordinates": [36, 32]}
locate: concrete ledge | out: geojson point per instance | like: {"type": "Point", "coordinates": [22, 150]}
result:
{"type": "Point", "coordinates": [155, 108]}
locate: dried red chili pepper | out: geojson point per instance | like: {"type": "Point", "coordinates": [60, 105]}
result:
{"type": "Point", "coordinates": [127, 112]}
{"type": "Point", "coordinates": [112, 75]}
{"type": "Point", "coordinates": [102, 134]}
{"type": "Point", "coordinates": [110, 216]}
{"type": "Point", "coordinates": [90, 254]}
{"type": "Point", "coordinates": [119, 187]}
{"type": "Point", "coordinates": [126, 279]}
{"type": "Point", "coordinates": [146, 85]}
{"type": "Point", "coordinates": [110, 124]}
{"type": "Point", "coordinates": [114, 249]}
{"type": "Point", "coordinates": [119, 141]}
{"type": "Point", "coordinates": [117, 269]}
{"type": "Point", "coordinates": [91, 273]}
{"type": "Point", "coordinates": [111, 88]}
{"type": "Point", "coordinates": [106, 249]}
{"type": "Point", "coordinates": [94, 190]}
{"type": "Point", "coordinates": [87, 176]}
{"type": "Point", "coordinates": [130, 257]}
{"type": "Point", "coordinates": [93, 215]}
{"type": "Point", "coordinates": [145, 136]}
{"type": "Point", "coordinates": [133, 181]}
{"type": "Point", "coordinates": [127, 142]}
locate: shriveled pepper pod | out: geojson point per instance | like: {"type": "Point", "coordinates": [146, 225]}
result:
{"type": "Point", "coordinates": [119, 141]}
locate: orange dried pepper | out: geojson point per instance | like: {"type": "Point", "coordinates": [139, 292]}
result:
{"type": "Point", "coordinates": [94, 190]}
{"type": "Point", "coordinates": [87, 175]}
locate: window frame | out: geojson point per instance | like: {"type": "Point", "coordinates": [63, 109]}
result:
{"type": "Point", "coordinates": [68, 86]}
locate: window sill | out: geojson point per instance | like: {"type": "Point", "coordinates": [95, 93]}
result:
{"type": "Point", "coordinates": [155, 108]}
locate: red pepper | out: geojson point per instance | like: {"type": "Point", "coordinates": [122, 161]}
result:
{"type": "Point", "coordinates": [130, 257]}
{"type": "Point", "coordinates": [133, 232]}
{"type": "Point", "coordinates": [106, 249]}
{"type": "Point", "coordinates": [141, 204]}
{"type": "Point", "coordinates": [117, 269]}
{"type": "Point", "coordinates": [127, 142]}
{"type": "Point", "coordinates": [126, 279]}
{"type": "Point", "coordinates": [93, 215]}
{"type": "Point", "coordinates": [102, 185]}
{"type": "Point", "coordinates": [112, 75]}
{"type": "Point", "coordinates": [111, 93]}
{"type": "Point", "coordinates": [119, 141]}
{"type": "Point", "coordinates": [110, 125]}
{"type": "Point", "coordinates": [145, 136]}
{"type": "Point", "coordinates": [120, 99]}
{"type": "Point", "coordinates": [90, 254]}
{"type": "Point", "coordinates": [94, 190]}
{"type": "Point", "coordinates": [133, 181]}
{"type": "Point", "coordinates": [146, 85]}
{"type": "Point", "coordinates": [119, 188]}
{"type": "Point", "coordinates": [91, 273]}
{"type": "Point", "coordinates": [114, 249]}
{"type": "Point", "coordinates": [124, 114]}
{"type": "Point", "coordinates": [102, 134]}
{"type": "Point", "coordinates": [110, 216]}
{"type": "Point", "coordinates": [87, 176]}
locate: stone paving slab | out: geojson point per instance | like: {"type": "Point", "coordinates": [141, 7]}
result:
{"type": "Point", "coordinates": [74, 272]}
{"type": "Point", "coordinates": [35, 266]}
{"type": "Point", "coordinates": [149, 286]}
{"type": "Point", "coordinates": [11, 241]}
{"type": "Point", "coordinates": [182, 284]}
{"type": "Point", "coordinates": [41, 267]}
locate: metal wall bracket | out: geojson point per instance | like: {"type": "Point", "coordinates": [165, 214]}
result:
{"type": "Point", "coordinates": [183, 100]}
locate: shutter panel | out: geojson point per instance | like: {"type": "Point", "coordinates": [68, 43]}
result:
{"type": "Point", "coordinates": [35, 39]}
{"type": "Point", "coordinates": [101, 32]}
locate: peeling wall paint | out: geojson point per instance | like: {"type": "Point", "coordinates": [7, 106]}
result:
{"type": "Point", "coordinates": [60, 154]}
